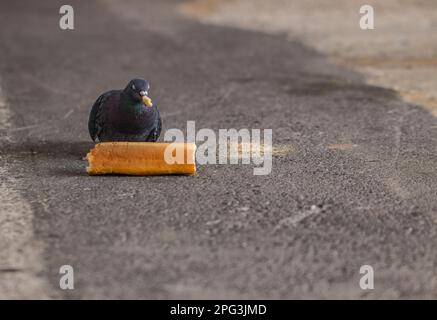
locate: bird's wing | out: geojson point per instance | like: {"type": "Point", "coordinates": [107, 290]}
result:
{"type": "Point", "coordinates": [156, 131]}
{"type": "Point", "coordinates": [96, 119]}
{"type": "Point", "coordinates": [158, 128]}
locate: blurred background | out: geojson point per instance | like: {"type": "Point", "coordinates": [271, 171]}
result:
{"type": "Point", "coordinates": [400, 53]}
{"type": "Point", "coordinates": [354, 179]}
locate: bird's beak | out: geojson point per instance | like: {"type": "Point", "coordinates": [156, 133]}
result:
{"type": "Point", "coordinates": [147, 101]}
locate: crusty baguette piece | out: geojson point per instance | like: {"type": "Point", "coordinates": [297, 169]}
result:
{"type": "Point", "coordinates": [140, 158]}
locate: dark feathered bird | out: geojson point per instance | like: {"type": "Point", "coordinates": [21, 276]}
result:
{"type": "Point", "coordinates": [125, 115]}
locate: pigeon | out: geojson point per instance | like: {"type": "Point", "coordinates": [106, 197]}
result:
{"type": "Point", "coordinates": [125, 115]}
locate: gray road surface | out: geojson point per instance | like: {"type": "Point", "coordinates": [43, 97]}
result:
{"type": "Point", "coordinates": [357, 186]}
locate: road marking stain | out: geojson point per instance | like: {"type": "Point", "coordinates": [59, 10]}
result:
{"type": "Point", "coordinates": [295, 219]}
{"type": "Point", "coordinates": [396, 62]}
{"type": "Point", "coordinates": [20, 254]}
{"type": "Point", "coordinates": [281, 150]}
{"type": "Point", "coordinates": [424, 99]}
{"type": "Point", "coordinates": [201, 8]}
{"type": "Point", "coordinates": [394, 185]}
{"type": "Point", "coordinates": [341, 146]}
{"type": "Point", "coordinates": [277, 150]}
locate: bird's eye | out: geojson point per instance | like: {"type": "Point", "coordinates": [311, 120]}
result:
{"type": "Point", "coordinates": [133, 87]}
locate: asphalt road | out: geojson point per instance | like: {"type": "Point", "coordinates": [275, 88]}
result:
{"type": "Point", "coordinates": [356, 184]}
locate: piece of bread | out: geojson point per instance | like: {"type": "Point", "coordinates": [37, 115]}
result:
{"type": "Point", "coordinates": [142, 158]}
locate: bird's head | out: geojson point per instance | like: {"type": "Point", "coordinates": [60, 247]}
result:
{"type": "Point", "coordinates": [138, 90]}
